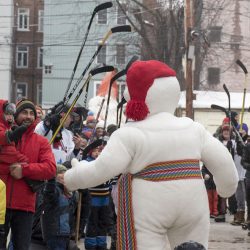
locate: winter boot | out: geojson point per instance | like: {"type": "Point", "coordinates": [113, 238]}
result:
{"type": "Point", "coordinates": [241, 217]}
{"type": "Point", "coordinates": [220, 218]}
{"type": "Point", "coordinates": [236, 221]}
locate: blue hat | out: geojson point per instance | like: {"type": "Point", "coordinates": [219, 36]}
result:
{"type": "Point", "coordinates": [244, 127]}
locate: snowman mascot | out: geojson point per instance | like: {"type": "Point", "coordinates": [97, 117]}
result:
{"type": "Point", "coordinates": [161, 192]}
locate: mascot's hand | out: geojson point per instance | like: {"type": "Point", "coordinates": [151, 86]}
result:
{"type": "Point", "coordinates": [74, 162]}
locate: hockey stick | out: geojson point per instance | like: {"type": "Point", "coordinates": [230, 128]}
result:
{"type": "Point", "coordinates": [97, 118]}
{"type": "Point", "coordinates": [214, 106]}
{"type": "Point", "coordinates": [97, 9]}
{"type": "Point", "coordinates": [91, 73]}
{"type": "Point", "coordinates": [114, 78]}
{"type": "Point", "coordinates": [244, 91]}
{"type": "Point", "coordinates": [123, 28]}
{"type": "Point", "coordinates": [229, 103]}
{"type": "Point", "coordinates": [123, 101]}
{"type": "Point", "coordinates": [119, 114]}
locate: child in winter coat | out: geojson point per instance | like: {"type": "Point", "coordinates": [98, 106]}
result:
{"type": "Point", "coordinates": [57, 217]}
{"type": "Point", "coordinates": [8, 152]}
{"type": "Point", "coordinates": [97, 224]}
{"type": "Point", "coordinates": [2, 213]}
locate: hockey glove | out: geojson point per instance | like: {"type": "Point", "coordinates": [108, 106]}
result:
{"type": "Point", "coordinates": [16, 134]}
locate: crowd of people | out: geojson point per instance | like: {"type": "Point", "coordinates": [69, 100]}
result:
{"type": "Point", "coordinates": [37, 206]}
{"type": "Point", "coordinates": [35, 203]}
{"type": "Point", "coordinates": [232, 137]}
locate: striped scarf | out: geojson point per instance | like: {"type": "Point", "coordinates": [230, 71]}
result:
{"type": "Point", "coordinates": [162, 171]}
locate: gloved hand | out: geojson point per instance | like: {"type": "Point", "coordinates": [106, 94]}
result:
{"type": "Point", "coordinates": [52, 121]}
{"type": "Point", "coordinates": [229, 145]}
{"type": "Point", "coordinates": [16, 134]}
{"type": "Point", "coordinates": [239, 147]}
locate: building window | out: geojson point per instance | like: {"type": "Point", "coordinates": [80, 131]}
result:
{"type": "Point", "coordinates": [21, 90]}
{"type": "Point", "coordinates": [23, 19]}
{"type": "Point", "coordinates": [40, 20]}
{"type": "Point", "coordinates": [22, 56]}
{"type": "Point", "coordinates": [39, 57]}
{"type": "Point", "coordinates": [39, 94]}
{"type": "Point", "coordinates": [120, 54]}
{"type": "Point", "coordinates": [215, 34]}
{"type": "Point", "coordinates": [48, 69]}
{"type": "Point", "coordinates": [102, 17]}
{"type": "Point", "coordinates": [213, 76]}
{"type": "Point", "coordinates": [101, 57]}
{"type": "Point", "coordinates": [121, 17]}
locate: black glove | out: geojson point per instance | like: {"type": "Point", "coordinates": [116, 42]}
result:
{"type": "Point", "coordinates": [229, 145]}
{"type": "Point", "coordinates": [239, 148]}
{"type": "Point", "coordinates": [35, 185]}
{"type": "Point", "coordinates": [16, 134]}
{"type": "Point", "coordinates": [245, 159]}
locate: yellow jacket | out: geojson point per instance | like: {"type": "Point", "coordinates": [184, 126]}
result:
{"type": "Point", "coordinates": [2, 202]}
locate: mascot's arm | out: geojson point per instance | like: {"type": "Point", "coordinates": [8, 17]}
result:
{"type": "Point", "coordinates": [219, 162]}
{"type": "Point", "coordinates": [113, 160]}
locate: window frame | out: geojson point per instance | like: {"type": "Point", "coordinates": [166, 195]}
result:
{"type": "Point", "coordinates": [39, 57]}
{"type": "Point", "coordinates": [215, 31]}
{"type": "Point", "coordinates": [98, 19]}
{"type": "Point", "coordinates": [210, 78]}
{"type": "Point", "coordinates": [26, 90]}
{"type": "Point", "coordinates": [116, 57]}
{"type": "Point", "coordinates": [117, 16]}
{"type": "Point", "coordinates": [39, 91]}
{"type": "Point", "coordinates": [99, 54]}
{"type": "Point", "coordinates": [40, 27]}
{"type": "Point", "coordinates": [17, 57]}
{"type": "Point", "coordinates": [19, 28]}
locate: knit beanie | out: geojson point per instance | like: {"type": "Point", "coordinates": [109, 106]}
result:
{"type": "Point", "coordinates": [140, 78]}
{"type": "Point", "coordinates": [24, 104]}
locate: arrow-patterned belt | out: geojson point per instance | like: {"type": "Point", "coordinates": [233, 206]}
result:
{"type": "Point", "coordinates": [162, 171]}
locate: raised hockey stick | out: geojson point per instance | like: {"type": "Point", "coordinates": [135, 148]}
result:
{"type": "Point", "coordinates": [244, 91]}
{"type": "Point", "coordinates": [97, 9]}
{"type": "Point", "coordinates": [91, 73]}
{"type": "Point", "coordinates": [214, 106]}
{"type": "Point", "coordinates": [123, 28]}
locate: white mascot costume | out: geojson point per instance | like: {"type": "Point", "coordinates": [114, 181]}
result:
{"type": "Point", "coordinates": [161, 192]}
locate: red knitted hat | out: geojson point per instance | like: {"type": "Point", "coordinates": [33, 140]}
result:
{"type": "Point", "coordinates": [140, 78]}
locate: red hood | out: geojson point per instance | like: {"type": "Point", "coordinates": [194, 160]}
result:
{"type": "Point", "coordinates": [2, 102]}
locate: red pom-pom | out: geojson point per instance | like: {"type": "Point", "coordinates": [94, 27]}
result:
{"type": "Point", "coordinates": [136, 110]}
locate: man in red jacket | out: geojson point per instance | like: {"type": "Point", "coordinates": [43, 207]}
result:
{"type": "Point", "coordinates": [41, 166]}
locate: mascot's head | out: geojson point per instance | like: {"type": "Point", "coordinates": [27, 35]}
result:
{"type": "Point", "coordinates": [152, 88]}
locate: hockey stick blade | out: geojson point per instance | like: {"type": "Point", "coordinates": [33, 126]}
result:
{"type": "Point", "coordinates": [242, 66]}
{"type": "Point", "coordinates": [103, 6]}
{"type": "Point", "coordinates": [122, 28]}
{"type": "Point", "coordinates": [214, 106]}
{"type": "Point", "coordinates": [101, 70]}
{"type": "Point", "coordinates": [228, 96]}
{"type": "Point", "coordinates": [131, 61]}
{"type": "Point", "coordinates": [122, 102]}
{"type": "Point", "coordinates": [226, 89]}
{"type": "Point", "coordinates": [118, 75]}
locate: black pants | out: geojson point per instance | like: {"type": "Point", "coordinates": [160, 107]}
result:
{"type": "Point", "coordinates": [20, 223]}
{"type": "Point", "coordinates": [247, 181]}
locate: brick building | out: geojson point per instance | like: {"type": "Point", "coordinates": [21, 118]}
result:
{"type": "Point", "coordinates": [27, 50]}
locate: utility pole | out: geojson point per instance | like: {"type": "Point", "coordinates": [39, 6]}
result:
{"type": "Point", "coordinates": [189, 56]}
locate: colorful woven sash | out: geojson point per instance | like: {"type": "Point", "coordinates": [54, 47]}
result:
{"type": "Point", "coordinates": [162, 171]}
